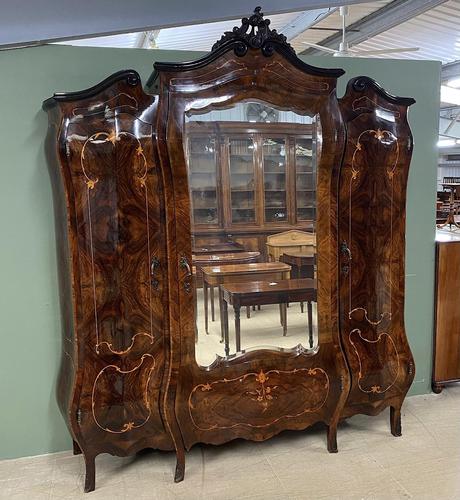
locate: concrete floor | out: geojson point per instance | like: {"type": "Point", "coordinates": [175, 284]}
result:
{"type": "Point", "coordinates": [371, 464]}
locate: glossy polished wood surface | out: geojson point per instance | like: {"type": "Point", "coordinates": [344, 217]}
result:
{"type": "Point", "coordinates": [446, 366]}
{"type": "Point", "coordinates": [215, 248]}
{"type": "Point", "coordinates": [270, 72]}
{"type": "Point", "coordinates": [221, 259]}
{"type": "Point", "coordinates": [224, 257]}
{"type": "Point", "coordinates": [372, 247]}
{"type": "Point", "coordinates": [298, 285]}
{"type": "Point", "coordinates": [130, 378]}
{"type": "Point", "coordinates": [109, 206]}
{"type": "Point", "coordinates": [244, 269]}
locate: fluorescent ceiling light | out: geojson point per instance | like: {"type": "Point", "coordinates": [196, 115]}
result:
{"type": "Point", "coordinates": [455, 82]}
{"type": "Point", "coordinates": [450, 95]}
{"type": "Point", "coordinates": [446, 143]}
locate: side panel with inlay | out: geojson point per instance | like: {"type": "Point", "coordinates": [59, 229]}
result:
{"type": "Point", "coordinates": [111, 235]}
{"type": "Point", "coordinates": [372, 244]}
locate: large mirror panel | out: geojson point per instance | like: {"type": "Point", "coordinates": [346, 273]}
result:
{"type": "Point", "coordinates": [252, 180]}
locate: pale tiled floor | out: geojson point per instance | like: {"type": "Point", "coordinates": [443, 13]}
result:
{"type": "Point", "coordinates": [371, 464]}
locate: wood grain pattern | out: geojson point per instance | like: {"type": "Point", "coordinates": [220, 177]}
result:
{"type": "Point", "coordinates": [109, 207]}
{"type": "Point", "coordinates": [446, 366]}
{"type": "Point", "coordinates": [129, 378]}
{"type": "Point", "coordinates": [372, 228]}
{"type": "Point", "coordinates": [223, 81]}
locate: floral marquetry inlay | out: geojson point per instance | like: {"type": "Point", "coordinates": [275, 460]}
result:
{"type": "Point", "coordinates": [258, 399]}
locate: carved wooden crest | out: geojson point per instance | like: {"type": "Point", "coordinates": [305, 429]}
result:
{"type": "Point", "coordinates": [253, 33]}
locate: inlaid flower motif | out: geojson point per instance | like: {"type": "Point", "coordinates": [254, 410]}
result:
{"type": "Point", "coordinates": [91, 183]}
{"type": "Point", "coordinates": [112, 137]}
{"type": "Point", "coordinates": [379, 135]}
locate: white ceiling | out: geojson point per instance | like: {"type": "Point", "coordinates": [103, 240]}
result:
{"type": "Point", "coordinates": [192, 37]}
{"type": "Point", "coordinates": [201, 37]}
{"type": "Point", "coordinates": [436, 32]}
{"type": "Point", "coordinates": [356, 12]}
{"type": "Point", "coordinates": [32, 22]}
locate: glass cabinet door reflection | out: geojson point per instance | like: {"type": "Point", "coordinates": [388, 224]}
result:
{"type": "Point", "coordinates": [242, 180]}
{"type": "Point", "coordinates": [252, 182]}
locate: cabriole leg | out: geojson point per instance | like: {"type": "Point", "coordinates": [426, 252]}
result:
{"type": "Point", "coordinates": [180, 465]}
{"type": "Point", "coordinates": [395, 421]}
{"type": "Point", "coordinates": [90, 476]}
{"type": "Point", "coordinates": [332, 438]}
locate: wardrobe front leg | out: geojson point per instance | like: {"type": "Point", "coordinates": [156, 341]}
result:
{"type": "Point", "coordinates": [90, 473]}
{"type": "Point", "coordinates": [395, 421]}
{"type": "Point", "coordinates": [180, 465]}
{"type": "Point", "coordinates": [332, 438]}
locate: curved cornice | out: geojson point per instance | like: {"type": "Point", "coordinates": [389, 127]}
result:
{"type": "Point", "coordinates": [360, 83]}
{"type": "Point", "coordinates": [253, 34]}
{"type": "Point", "coordinates": [131, 76]}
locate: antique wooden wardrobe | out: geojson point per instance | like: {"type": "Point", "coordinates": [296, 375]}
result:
{"type": "Point", "coordinates": [129, 378]}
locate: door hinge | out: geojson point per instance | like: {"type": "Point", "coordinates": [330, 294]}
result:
{"type": "Point", "coordinates": [410, 368]}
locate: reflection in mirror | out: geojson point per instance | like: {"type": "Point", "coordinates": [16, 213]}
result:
{"type": "Point", "coordinates": [252, 180]}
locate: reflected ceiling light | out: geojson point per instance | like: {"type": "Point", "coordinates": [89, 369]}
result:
{"type": "Point", "coordinates": [446, 143]}
{"type": "Point", "coordinates": [450, 95]}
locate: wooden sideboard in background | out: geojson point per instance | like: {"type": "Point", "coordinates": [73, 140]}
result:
{"type": "Point", "coordinates": [446, 363]}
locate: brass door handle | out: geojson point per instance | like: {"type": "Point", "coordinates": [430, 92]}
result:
{"type": "Point", "coordinates": [154, 265]}
{"type": "Point", "coordinates": [184, 264]}
{"type": "Point", "coordinates": [346, 252]}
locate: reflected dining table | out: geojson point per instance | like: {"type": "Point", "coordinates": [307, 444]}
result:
{"type": "Point", "coordinates": [265, 293]}
{"type": "Point", "coordinates": [214, 276]}
{"type": "Point", "coordinates": [220, 259]}
{"type": "Point", "coordinates": [222, 247]}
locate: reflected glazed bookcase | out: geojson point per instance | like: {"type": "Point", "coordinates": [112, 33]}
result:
{"type": "Point", "coordinates": [250, 180]}
{"type": "Point", "coordinates": [117, 157]}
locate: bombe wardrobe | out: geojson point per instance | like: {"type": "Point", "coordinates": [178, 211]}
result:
{"type": "Point", "coordinates": [119, 159]}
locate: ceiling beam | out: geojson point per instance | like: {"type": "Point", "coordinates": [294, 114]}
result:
{"type": "Point", "coordinates": [389, 16]}
{"type": "Point", "coordinates": [450, 70]}
{"type": "Point", "coordinates": [53, 21]}
{"type": "Point", "coordinates": [449, 128]}
{"type": "Point", "coordinates": [147, 39]}
{"type": "Point", "coordinates": [304, 21]}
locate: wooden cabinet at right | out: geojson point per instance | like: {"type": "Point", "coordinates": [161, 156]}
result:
{"type": "Point", "coordinates": [446, 365]}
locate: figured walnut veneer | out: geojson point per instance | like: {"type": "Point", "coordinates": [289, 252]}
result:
{"type": "Point", "coordinates": [372, 242]}
{"type": "Point", "coordinates": [129, 377]}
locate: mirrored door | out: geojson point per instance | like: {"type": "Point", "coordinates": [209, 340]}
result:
{"type": "Point", "coordinates": [255, 265]}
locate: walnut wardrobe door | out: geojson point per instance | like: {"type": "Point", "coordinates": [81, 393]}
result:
{"type": "Point", "coordinates": [372, 201]}
{"type": "Point", "coordinates": [115, 237]}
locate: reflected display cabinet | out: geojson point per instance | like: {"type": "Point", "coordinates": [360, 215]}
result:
{"type": "Point", "coordinates": [250, 180]}
{"type": "Point", "coordinates": [131, 181]}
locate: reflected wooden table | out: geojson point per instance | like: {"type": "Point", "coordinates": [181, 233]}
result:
{"type": "Point", "coordinates": [264, 293]}
{"type": "Point", "coordinates": [224, 247]}
{"type": "Point", "coordinates": [302, 263]}
{"type": "Point", "coordinates": [239, 273]}
{"type": "Point", "coordinates": [219, 259]}
{"type": "Point", "coordinates": [450, 221]}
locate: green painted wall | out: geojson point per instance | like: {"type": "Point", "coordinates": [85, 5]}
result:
{"type": "Point", "coordinates": [30, 422]}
